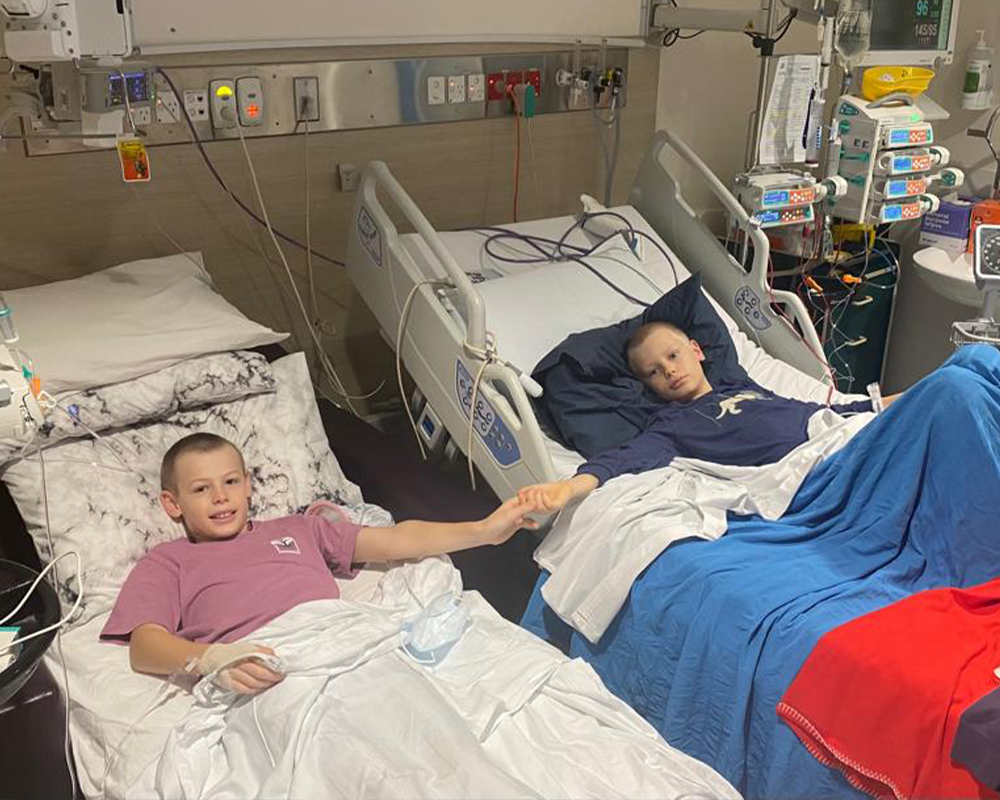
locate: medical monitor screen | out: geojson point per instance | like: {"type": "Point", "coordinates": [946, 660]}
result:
{"type": "Point", "coordinates": [910, 24]}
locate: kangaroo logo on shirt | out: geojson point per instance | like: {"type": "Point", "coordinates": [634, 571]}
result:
{"type": "Point", "coordinates": [731, 405]}
{"type": "Point", "coordinates": [286, 544]}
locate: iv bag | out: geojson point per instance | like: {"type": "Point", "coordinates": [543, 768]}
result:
{"type": "Point", "coordinates": [854, 31]}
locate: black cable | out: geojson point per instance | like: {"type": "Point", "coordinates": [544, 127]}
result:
{"type": "Point", "coordinates": [562, 251]}
{"type": "Point", "coordinates": [196, 140]}
{"type": "Point", "coordinates": [783, 26]}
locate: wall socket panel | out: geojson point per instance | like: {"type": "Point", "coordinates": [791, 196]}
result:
{"type": "Point", "coordinates": [196, 104]}
{"type": "Point", "coordinates": [362, 94]}
{"type": "Point", "coordinates": [306, 91]}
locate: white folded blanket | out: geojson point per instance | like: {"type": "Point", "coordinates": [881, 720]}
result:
{"type": "Point", "coordinates": [597, 548]}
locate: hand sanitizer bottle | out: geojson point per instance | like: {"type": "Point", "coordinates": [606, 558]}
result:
{"type": "Point", "coordinates": [977, 92]}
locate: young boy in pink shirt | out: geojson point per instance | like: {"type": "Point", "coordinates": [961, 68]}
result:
{"type": "Point", "coordinates": [187, 602]}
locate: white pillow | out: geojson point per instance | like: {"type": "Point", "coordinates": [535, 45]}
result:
{"type": "Point", "coordinates": [127, 321]}
{"type": "Point", "coordinates": [112, 516]}
{"type": "Point", "coordinates": [531, 313]}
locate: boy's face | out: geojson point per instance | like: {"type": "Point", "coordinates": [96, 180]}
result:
{"type": "Point", "coordinates": [670, 365]}
{"type": "Point", "coordinates": [212, 496]}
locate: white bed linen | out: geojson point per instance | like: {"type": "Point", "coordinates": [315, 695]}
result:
{"type": "Point", "coordinates": [598, 547]}
{"type": "Point", "coordinates": [504, 715]}
{"type": "Point", "coordinates": [109, 699]}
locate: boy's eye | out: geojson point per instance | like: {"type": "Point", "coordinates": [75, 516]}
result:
{"type": "Point", "coordinates": [199, 489]}
{"type": "Point", "coordinates": [232, 481]}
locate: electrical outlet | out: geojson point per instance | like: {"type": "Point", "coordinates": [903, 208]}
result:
{"type": "Point", "coordinates": [456, 88]}
{"type": "Point", "coordinates": [435, 91]}
{"type": "Point", "coordinates": [168, 108]}
{"type": "Point", "coordinates": [306, 92]}
{"type": "Point", "coordinates": [496, 86]}
{"type": "Point", "coordinates": [477, 88]}
{"type": "Point", "coordinates": [350, 176]}
{"type": "Point", "coordinates": [142, 115]}
{"type": "Point", "coordinates": [196, 104]}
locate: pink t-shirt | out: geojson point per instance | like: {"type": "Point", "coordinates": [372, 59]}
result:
{"type": "Point", "coordinates": [222, 591]}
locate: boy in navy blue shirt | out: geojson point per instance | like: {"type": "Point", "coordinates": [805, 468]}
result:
{"type": "Point", "coordinates": [739, 423]}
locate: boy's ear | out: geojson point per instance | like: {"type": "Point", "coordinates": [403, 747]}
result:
{"type": "Point", "coordinates": [698, 351]}
{"type": "Point", "coordinates": [169, 503]}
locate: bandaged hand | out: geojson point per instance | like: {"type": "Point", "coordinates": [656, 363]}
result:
{"type": "Point", "coordinates": [233, 667]}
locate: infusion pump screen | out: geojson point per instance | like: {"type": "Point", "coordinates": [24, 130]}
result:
{"type": "Point", "coordinates": [910, 24]}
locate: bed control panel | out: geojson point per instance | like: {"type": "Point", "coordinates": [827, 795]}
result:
{"type": "Point", "coordinates": [497, 437]}
{"type": "Point", "coordinates": [748, 304]}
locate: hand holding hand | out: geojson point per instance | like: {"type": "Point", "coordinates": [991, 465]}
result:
{"type": "Point", "coordinates": [547, 497]}
{"type": "Point", "coordinates": [509, 517]}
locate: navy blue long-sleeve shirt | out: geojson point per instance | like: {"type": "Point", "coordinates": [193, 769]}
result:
{"type": "Point", "coordinates": [742, 424]}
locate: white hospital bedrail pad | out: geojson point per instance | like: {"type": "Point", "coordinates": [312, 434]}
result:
{"type": "Point", "coordinates": [504, 715]}
{"type": "Point", "coordinates": [598, 548]}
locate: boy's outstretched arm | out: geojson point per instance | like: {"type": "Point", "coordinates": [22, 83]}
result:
{"type": "Point", "coordinates": [417, 539]}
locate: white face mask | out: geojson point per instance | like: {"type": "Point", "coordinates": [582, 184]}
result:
{"type": "Point", "coordinates": [428, 637]}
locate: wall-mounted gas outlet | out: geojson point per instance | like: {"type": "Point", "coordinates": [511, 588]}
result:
{"type": "Point", "coordinates": [196, 104]}
{"type": "Point", "coordinates": [168, 108]}
{"type": "Point", "coordinates": [306, 92]}
{"type": "Point", "coordinates": [533, 77]}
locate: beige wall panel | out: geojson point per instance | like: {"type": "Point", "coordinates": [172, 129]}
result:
{"type": "Point", "coordinates": [67, 215]}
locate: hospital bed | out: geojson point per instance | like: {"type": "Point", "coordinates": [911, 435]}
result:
{"type": "Point", "coordinates": [102, 444]}
{"type": "Point", "coordinates": [452, 312]}
{"type": "Point", "coordinates": [701, 637]}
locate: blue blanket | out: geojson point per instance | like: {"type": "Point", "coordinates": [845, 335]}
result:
{"type": "Point", "coordinates": [714, 632]}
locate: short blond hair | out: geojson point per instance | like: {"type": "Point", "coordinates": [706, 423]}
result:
{"type": "Point", "coordinates": [201, 442]}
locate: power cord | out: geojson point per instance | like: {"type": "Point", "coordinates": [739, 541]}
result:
{"type": "Point", "coordinates": [196, 140]}
{"type": "Point", "coordinates": [328, 367]}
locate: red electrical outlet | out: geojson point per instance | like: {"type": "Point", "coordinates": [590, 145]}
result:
{"type": "Point", "coordinates": [533, 77]}
{"type": "Point", "coordinates": [496, 86]}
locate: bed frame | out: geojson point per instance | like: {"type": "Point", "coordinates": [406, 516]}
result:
{"type": "Point", "coordinates": [443, 355]}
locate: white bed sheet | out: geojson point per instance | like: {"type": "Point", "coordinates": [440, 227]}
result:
{"type": "Point", "coordinates": [112, 713]}
{"type": "Point", "coordinates": [504, 715]}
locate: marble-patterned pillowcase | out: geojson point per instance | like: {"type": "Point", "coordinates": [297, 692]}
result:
{"type": "Point", "coordinates": [110, 513]}
{"type": "Point", "coordinates": [214, 378]}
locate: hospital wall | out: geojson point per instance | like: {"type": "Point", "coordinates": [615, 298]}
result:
{"type": "Point", "coordinates": [63, 216]}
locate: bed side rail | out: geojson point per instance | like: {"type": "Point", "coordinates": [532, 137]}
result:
{"type": "Point", "coordinates": [746, 296]}
{"type": "Point", "coordinates": [441, 355]}
{"type": "Point", "coordinates": [377, 175]}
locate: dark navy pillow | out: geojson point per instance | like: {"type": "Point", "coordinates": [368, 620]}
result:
{"type": "Point", "coordinates": [591, 399]}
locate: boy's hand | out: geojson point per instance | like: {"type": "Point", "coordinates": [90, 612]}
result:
{"type": "Point", "coordinates": [547, 497]}
{"type": "Point", "coordinates": [509, 518]}
{"type": "Point", "coordinates": [233, 666]}
{"type": "Point", "coordinates": [251, 677]}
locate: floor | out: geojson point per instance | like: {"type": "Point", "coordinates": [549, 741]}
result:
{"type": "Point", "coordinates": [392, 474]}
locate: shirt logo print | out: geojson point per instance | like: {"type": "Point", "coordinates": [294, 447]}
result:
{"type": "Point", "coordinates": [731, 405]}
{"type": "Point", "coordinates": [286, 545]}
